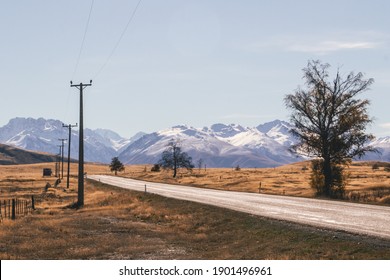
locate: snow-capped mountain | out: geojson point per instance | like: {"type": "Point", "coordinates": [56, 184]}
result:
{"type": "Point", "coordinates": [279, 131]}
{"type": "Point", "coordinates": [218, 146]}
{"type": "Point", "coordinates": [42, 135]}
{"type": "Point", "coordinates": [382, 144]}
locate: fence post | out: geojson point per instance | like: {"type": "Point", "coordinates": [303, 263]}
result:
{"type": "Point", "coordinates": [13, 209]}
{"type": "Point", "coordinates": [9, 208]}
{"type": "Point", "coordinates": [32, 203]}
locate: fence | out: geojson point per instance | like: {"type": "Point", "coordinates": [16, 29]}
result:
{"type": "Point", "coordinates": [13, 208]}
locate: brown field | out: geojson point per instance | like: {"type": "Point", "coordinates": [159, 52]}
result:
{"type": "Point", "coordinates": [122, 224]}
{"type": "Point", "coordinates": [363, 185]}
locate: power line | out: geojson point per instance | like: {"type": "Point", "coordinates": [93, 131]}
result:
{"type": "Point", "coordinates": [119, 40]}
{"type": "Point", "coordinates": [79, 55]}
{"type": "Point", "coordinates": [83, 41]}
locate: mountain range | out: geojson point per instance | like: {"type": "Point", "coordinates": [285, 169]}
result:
{"type": "Point", "coordinates": [219, 145]}
{"type": "Point", "coordinates": [43, 135]}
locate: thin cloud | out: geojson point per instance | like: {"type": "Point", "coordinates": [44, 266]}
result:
{"type": "Point", "coordinates": [332, 46]}
{"type": "Point", "coordinates": [385, 125]}
{"type": "Point", "coordinates": [321, 45]}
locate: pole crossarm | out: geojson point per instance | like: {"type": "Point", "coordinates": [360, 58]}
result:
{"type": "Point", "coordinates": [81, 85]}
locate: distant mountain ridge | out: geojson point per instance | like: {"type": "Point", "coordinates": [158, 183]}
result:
{"type": "Point", "coordinates": [219, 145]}
{"type": "Point", "coordinates": [11, 155]}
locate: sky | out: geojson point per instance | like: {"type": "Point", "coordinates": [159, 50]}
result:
{"type": "Point", "coordinates": [194, 62]}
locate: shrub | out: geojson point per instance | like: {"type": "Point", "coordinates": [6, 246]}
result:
{"type": "Point", "coordinates": [375, 166]}
{"type": "Point", "coordinates": [317, 179]}
{"type": "Point", "coordinates": [156, 168]}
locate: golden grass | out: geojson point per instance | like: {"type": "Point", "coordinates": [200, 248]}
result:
{"type": "Point", "coordinates": [363, 185]}
{"type": "Point", "coordinates": [121, 224]}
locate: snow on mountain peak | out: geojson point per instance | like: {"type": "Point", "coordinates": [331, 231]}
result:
{"type": "Point", "coordinates": [42, 135]}
{"type": "Point", "coordinates": [276, 124]}
{"type": "Point", "coordinates": [219, 145]}
{"type": "Point", "coordinates": [226, 131]}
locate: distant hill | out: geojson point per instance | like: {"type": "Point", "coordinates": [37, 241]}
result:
{"type": "Point", "coordinates": [10, 155]}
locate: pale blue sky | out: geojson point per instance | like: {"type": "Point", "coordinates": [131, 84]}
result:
{"type": "Point", "coordinates": [184, 62]}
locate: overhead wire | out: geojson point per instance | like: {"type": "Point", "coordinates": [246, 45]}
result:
{"type": "Point", "coordinates": [79, 55]}
{"type": "Point", "coordinates": [119, 40]}
{"type": "Point", "coordinates": [114, 48]}
{"type": "Point", "coordinates": [83, 40]}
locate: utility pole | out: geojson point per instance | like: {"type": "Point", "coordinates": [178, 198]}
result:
{"type": "Point", "coordinates": [62, 157]}
{"type": "Point", "coordinates": [69, 126]}
{"type": "Point", "coordinates": [56, 167]}
{"type": "Point", "coordinates": [59, 162]}
{"type": "Point", "coordinates": [80, 201]}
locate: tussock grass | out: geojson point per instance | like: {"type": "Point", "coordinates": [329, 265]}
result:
{"type": "Point", "coordinates": [364, 184]}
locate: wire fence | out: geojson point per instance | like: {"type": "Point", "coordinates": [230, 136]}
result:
{"type": "Point", "coordinates": [15, 208]}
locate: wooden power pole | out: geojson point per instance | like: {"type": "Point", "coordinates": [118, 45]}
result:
{"type": "Point", "coordinates": [80, 196]}
{"type": "Point", "coordinates": [62, 157]}
{"type": "Point", "coordinates": [69, 126]}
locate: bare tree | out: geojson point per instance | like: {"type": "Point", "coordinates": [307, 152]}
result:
{"type": "Point", "coordinates": [330, 122]}
{"type": "Point", "coordinates": [199, 163]}
{"type": "Point", "coordinates": [173, 158]}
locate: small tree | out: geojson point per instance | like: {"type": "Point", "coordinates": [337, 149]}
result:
{"type": "Point", "coordinates": [199, 163]}
{"type": "Point", "coordinates": [330, 121]}
{"type": "Point", "coordinates": [116, 165]}
{"type": "Point", "coordinates": [173, 158]}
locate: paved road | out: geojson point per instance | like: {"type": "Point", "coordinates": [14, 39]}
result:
{"type": "Point", "coordinates": [352, 217]}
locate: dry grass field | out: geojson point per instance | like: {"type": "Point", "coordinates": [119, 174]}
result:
{"type": "Point", "coordinates": [122, 224]}
{"type": "Point", "coordinates": [364, 183]}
